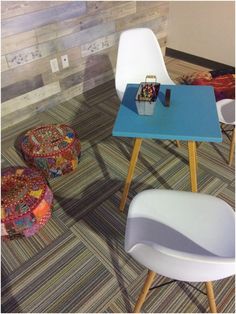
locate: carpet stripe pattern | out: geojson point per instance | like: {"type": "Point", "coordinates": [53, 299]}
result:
{"type": "Point", "coordinates": [76, 262]}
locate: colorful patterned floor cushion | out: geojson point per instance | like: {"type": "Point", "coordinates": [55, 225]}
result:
{"type": "Point", "coordinates": [54, 149]}
{"type": "Point", "coordinates": [223, 82]}
{"type": "Point", "coordinates": [26, 202]}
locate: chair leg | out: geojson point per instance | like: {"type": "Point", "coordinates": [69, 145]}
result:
{"type": "Point", "coordinates": [148, 282]}
{"type": "Point", "coordinates": [231, 152]}
{"type": "Point", "coordinates": [198, 144]}
{"type": "Point", "coordinates": [177, 143]}
{"type": "Point", "coordinates": [211, 298]}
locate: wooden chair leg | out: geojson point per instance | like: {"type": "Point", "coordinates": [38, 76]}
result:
{"type": "Point", "coordinates": [211, 298]}
{"type": "Point", "coordinates": [148, 282]}
{"type": "Point", "coordinates": [232, 145]}
{"type": "Point", "coordinates": [177, 143]}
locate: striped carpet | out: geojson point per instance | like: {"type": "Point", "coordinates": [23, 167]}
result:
{"type": "Point", "coordinates": [77, 263]}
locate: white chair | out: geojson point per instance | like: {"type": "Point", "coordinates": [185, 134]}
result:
{"type": "Point", "coordinates": [139, 54]}
{"type": "Point", "coordinates": [226, 114]}
{"type": "Point", "coordinates": [181, 235]}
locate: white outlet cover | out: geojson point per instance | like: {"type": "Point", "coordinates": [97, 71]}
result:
{"type": "Point", "coordinates": [65, 61]}
{"type": "Point", "coordinates": [54, 65]}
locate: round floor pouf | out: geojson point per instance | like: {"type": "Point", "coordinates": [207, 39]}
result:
{"type": "Point", "coordinates": [54, 149]}
{"type": "Point", "coordinates": [26, 202]}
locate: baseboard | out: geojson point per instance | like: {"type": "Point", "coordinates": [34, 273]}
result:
{"type": "Point", "coordinates": [196, 60]}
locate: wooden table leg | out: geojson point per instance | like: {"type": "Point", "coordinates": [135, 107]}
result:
{"type": "Point", "coordinates": [133, 161]}
{"type": "Point", "coordinates": [192, 164]}
{"type": "Point", "coordinates": [231, 153]}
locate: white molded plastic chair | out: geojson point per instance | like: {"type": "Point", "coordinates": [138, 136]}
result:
{"type": "Point", "coordinates": [181, 235]}
{"type": "Point", "coordinates": [226, 114]}
{"type": "Point", "coordinates": [139, 54]}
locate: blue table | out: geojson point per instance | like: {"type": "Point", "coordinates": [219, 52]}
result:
{"type": "Point", "coordinates": [191, 117]}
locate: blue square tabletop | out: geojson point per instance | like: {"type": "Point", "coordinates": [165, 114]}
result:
{"type": "Point", "coordinates": [191, 116]}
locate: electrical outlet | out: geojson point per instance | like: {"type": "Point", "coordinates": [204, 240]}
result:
{"type": "Point", "coordinates": [65, 61]}
{"type": "Point", "coordinates": [54, 65]}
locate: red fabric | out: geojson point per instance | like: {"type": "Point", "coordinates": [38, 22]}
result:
{"type": "Point", "coordinates": [224, 85]}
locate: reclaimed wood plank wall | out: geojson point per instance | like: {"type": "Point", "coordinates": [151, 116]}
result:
{"type": "Point", "coordinates": [33, 33]}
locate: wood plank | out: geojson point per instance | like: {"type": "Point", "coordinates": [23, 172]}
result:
{"type": "Point", "coordinates": [104, 77]}
{"type": "Point", "coordinates": [157, 25]}
{"type": "Point", "coordinates": [41, 66]}
{"type": "Point", "coordinates": [94, 7]}
{"type": "Point", "coordinates": [76, 65]}
{"type": "Point", "coordinates": [14, 8]}
{"type": "Point", "coordinates": [101, 64]}
{"type": "Point", "coordinates": [21, 88]}
{"type": "Point", "coordinates": [18, 42]}
{"type": "Point", "coordinates": [26, 22]}
{"type": "Point", "coordinates": [49, 32]}
{"type": "Point", "coordinates": [58, 29]}
{"type": "Point", "coordinates": [107, 13]}
{"type": "Point", "coordinates": [26, 71]}
{"type": "Point", "coordinates": [82, 37]}
{"type": "Point", "coordinates": [30, 54]}
{"type": "Point", "coordinates": [4, 65]}
{"type": "Point", "coordinates": [73, 91]}
{"type": "Point", "coordinates": [74, 56]}
{"type": "Point", "coordinates": [86, 85]}
{"type": "Point", "coordinates": [69, 26]}
{"type": "Point", "coordinates": [150, 6]}
{"type": "Point", "coordinates": [32, 97]}
{"type": "Point", "coordinates": [142, 17]}
{"type": "Point", "coordinates": [99, 44]}
{"type": "Point", "coordinates": [80, 64]}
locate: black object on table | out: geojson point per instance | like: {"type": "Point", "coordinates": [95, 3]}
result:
{"type": "Point", "coordinates": [167, 97]}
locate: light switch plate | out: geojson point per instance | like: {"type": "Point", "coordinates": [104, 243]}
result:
{"type": "Point", "coordinates": [65, 61]}
{"type": "Point", "coordinates": [54, 65]}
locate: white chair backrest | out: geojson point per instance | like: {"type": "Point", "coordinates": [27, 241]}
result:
{"type": "Point", "coordinates": [139, 54]}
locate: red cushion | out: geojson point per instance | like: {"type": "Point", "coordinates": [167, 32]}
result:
{"type": "Point", "coordinates": [52, 148]}
{"type": "Point", "coordinates": [26, 202]}
{"type": "Point", "coordinates": [224, 85]}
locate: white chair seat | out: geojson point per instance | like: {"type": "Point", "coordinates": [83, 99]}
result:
{"type": "Point", "coordinates": [226, 111]}
{"type": "Point", "coordinates": [182, 235]}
